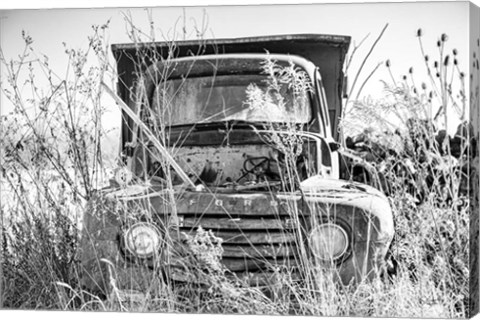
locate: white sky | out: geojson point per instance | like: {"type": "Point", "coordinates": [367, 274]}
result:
{"type": "Point", "coordinates": [49, 28]}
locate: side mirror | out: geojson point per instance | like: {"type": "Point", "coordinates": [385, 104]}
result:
{"type": "Point", "coordinates": [334, 146]}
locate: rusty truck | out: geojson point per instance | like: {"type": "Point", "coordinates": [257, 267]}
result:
{"type": "Point", "coordinates": [239, 138]}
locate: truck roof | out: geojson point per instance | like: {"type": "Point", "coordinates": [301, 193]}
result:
{"type": "Point", "coordinates": [328, 52]}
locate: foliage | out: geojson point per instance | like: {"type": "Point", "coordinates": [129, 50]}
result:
{"type": "Point", "coordinates": [51, 164]}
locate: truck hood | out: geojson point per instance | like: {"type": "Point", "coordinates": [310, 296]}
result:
{"type": "Point", "coordinates": [317, 187]}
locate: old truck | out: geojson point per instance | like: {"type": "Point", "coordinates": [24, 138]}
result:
{"type": "Point", "coordinates": [238, 138]}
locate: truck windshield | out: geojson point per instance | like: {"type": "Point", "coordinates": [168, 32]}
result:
{"type": "Point", "coordinates": [243, 97]}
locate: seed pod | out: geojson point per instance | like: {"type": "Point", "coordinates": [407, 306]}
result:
{"type": "Point", "coordinates": [455, 62]}
{"type": "Point", "coordinates": [387, 63]}
{"type": "Point", "coordinates": [419, 32]}
{"type": "Point", "coordinates": [410, 70]}
{"type": "Point", "coordinates": [437, 75]}
{"type": "Point", "coordinates": [447, 59]}
{"type": "Point", "coordinates": [404, 77]}
{"type": "Point", "coordinates": [444, 37]}
{"type": "Point", "coordinates": [435, 64]}
{"type": "Point", "coordinates": [439, 43]}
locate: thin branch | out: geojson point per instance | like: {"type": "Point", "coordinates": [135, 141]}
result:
{"type": "Point", "coordinates": [367, 79]}
{"type": "Point", "coordinates": [355, 50]}
{"type": "Point", "coordinates": [365, 60]}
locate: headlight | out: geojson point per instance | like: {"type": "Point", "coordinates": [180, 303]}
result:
{"type": "Point", "coordinates": [328, 241]}
{"type": "Point", "coordinates": [142, 240]}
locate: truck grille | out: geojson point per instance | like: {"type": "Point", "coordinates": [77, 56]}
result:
{"type": "Point", "coordinates": [257, 230]}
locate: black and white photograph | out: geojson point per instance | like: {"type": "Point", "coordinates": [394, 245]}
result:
{"type": "Point", "coordinates": [275, 159]}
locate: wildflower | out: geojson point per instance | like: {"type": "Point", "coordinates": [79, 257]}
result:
{"type": "Point", "coordinates": [28, 40]}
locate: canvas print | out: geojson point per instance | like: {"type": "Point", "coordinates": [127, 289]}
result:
{"type": "Point", "coordinates": [316, 159]}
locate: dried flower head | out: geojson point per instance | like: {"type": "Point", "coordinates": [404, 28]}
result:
{"type": "Point", "coordinates": [419, 32]}
{"type": "Point", "coordinates": [444, 37]}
